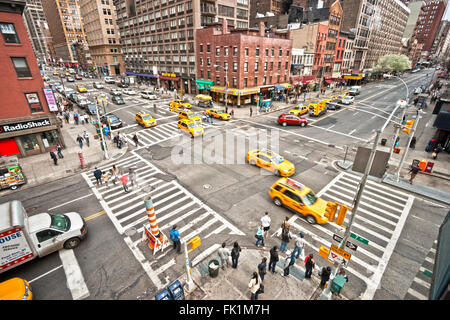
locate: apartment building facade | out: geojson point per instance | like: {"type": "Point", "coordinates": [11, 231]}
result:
{"type": "Point", "coordinates": [36, 25]}
{"type": "Point", "coordinates": [158, 37]}
{"type": "Point", "coordinates": [102, 35]}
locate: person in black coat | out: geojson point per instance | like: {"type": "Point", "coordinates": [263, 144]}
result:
{"type": "Point", "coordinates": [235, 252]}
{"type": "Point", "coordinates": [273, 258]}
{"type": "Point", "coordinates": [262, 268]}
{"type": "Point", "coordinates": [54, 157]}
{"type": "Point", "coordinates": [325, 276]}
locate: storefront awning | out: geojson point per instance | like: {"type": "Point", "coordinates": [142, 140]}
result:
{"type": "Point", "coordinates": [287, 85]}
{"type": "Point", "coordinates": [235, 92]}
{"type": "Point", "coordinates": [148, 75]}
{"type": "Point", "coordinates": [169, 78]}
{"type": "Point", "coordinates": [204, 84]}
{"type": "Point", "coordinates": [353, 76]}
{"type": "Point", "coordinates": [279, 87]}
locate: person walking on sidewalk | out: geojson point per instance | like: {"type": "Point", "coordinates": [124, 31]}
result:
{"type": "Point", "coordinates": [437, 150]}
{"type": "Point", "coordinates": [132, 175]}
{"type": "Point", "coordinates": [254, 285]}
{"type": "Point", "coordinates": [98, 176]}
{"type": "Point", "coordinates": [412, 145]}
{"type": "Point", "coordinates": [273, 259]}
{"type": "Point", "coordinates": [232, 112]}
{"type": "Point", "coordinates": [124, 181]}
{"type": "Point", "coordinates": [324, 276]}
{"type": "Point", "coordinates": [265, 221]}
{"type": "Point", "coordinates": [86, 137]}
{"type": "Point", "coordinates": [251, 111]}
{"type": "Point", "coordinates": [262, 268]}
{"type": "Point", "coordinates": [260, 236]}
{"type": "Point", "coordinates": [285, 236]}
{"type": "Point", "coordinates": [288, 262]}
{"type": "Point", "coordinates": [299, 245]}
{"type": "Point", "coordinates": [54, 157]}
{"type": "Point", "coordinates": [115, 173]}
{"type": "Point", "coordinates": [59, 151]}
{"type": "Point", "coordinates": [174, 235]}
{"type": "Point", "coordinates": [235, 253]}
{"type": "Point", "coordinates": [309, 266]}
{"type": "Point", "coordinates": [75, 117]}
{"type": "Point", "coordinates": [80, 141]}
{"type": "Point", "coordinates": [414, 170]}
{"type": "Point", "coordinates": [224, 255]}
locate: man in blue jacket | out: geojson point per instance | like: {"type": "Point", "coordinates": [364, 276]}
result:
{"type": "Point", "coordinates": [174, 235]}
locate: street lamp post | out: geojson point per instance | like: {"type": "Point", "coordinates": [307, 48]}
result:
{"type": "Point", "coordinates": [407, 89]}
{"type": "Point", "coordinates": [105, 152]}
{"type": "Point", "coordinates": [403, 105]}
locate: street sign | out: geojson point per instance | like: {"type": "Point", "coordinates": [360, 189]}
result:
{"type": "Point", "coordinates": [358, 238]}
{"type": "Point", "coordinates": [339, 255]}
{"type": "Point", "coordinates": [348, 244]}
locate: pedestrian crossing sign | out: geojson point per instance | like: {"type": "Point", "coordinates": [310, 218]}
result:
{"type": "Point", "coordinates": [339, 255]}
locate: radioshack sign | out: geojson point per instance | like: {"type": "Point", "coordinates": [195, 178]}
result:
{"type": "Point", "coordinates": [19, 126]}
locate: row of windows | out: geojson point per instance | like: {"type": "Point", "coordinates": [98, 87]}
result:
{"type": "Point", "coordinates": [267, 66]}
{"type": "Point", "coordinates": [246, 51]}
{"type": "Point", "coordinates": [265, 80]}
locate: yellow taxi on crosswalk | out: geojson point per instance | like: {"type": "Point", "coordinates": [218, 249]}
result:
{"type": "Point", "coordinates": [187, 114]}
{"type": "Point", "coordinates": [145, 119]}
{"type": "Point", "coordinates": [294, 195]}
{"type": "Point", "coordinates": [179, 104]}
{"type": "Point", "coordinates": [218, 113]}
{"type": "Point", "coordinates": [271, 161]}
{"type": "Point", "coordinates": [299, 110]}
{"type": "Point", "coordinates": [190, 127]}
{"type": "Point", "coordinates": [342, 95]}
{"type": "Point", "coordinates": [81, 88]}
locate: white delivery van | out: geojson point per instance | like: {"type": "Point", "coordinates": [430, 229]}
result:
{"type": "Point", "coordinates": [23, 238]}
{"type": "Point", "coordinates": [355, 90]}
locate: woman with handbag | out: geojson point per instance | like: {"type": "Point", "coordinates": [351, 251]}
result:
{"type": "Point", "coordinates": [254, 286]}
{"type": "Point", "coordinates": [260, 236]}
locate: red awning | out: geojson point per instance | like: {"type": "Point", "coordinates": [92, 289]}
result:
{"type": "Point", "coordinates": [8, 147]}
{"type": "Point", "coordinates": [169, 78]}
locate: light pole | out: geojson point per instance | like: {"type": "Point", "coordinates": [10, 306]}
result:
{"type": "Point", "coordinates": [403, 105]}
{"type": "Point", "coordinates": [105, 152]}
{"type": "Point", "coordinates": [407, 89]}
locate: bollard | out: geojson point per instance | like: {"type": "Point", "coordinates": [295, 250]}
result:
{"type": "Point", "coordinates": [83, 164]}
{"type": "Point", "coordinates": [156, 239]}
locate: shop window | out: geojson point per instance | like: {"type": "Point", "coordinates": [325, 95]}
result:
{"type": "Point", "coordinates": [29, 142]}
{"type": "Point", "coordinates": [49, 138]}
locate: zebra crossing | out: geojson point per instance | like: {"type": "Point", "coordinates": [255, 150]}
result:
{"type": "Point", "coordinates": [380, 219]}
{"type": "Point", "coordinates": [421, 285]}
{"type": "Point", "coordinates": [173, 205]}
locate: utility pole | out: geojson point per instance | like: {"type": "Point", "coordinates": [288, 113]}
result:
{"type": "Point", "coordinates": [189, 282]}
{"type": "Point", "coordinates": [105, 152]}
{"type": "Point", "coordinates": [403, 105]}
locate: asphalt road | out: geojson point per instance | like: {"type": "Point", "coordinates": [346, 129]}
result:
{"type": "Point", "coordinates": [221, 198]}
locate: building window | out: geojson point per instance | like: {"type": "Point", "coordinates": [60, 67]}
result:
{"type": "Point", "coordinates": [235, 51]}
{"type": "Point", "coordinates": [245, 82]}
{"type": "Point", "coordinates": [9, 33]}
{"type": "Point", "coordinates": [235, 65]}
{"type": "Point", "coordinates": [255, 82]}
{"type": "Point", "coordinates": [246, 52]}
{"type": "Point", "coordinates": [256, 66]}
{"type": "Point", "coordinates": [21, 66]}
{"type": "Point", "coordinates": [201, 48]}
{"type": "Point", "coordinates": [245, 66]}
{"type": "Point", "coordinates": [217, 81]}
{"type": "Point", "coordinates": [217, 51]}
{"type": "Point", "coordinates": [257, 51]}
{"type": "Point", "coordinates": [234, 83]}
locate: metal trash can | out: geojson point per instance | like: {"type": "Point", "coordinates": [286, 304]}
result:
{"type": "Point", "coordinates": [164, 295]}
{"type": "Point", "coordinates": [383, 142]}
{"type": "Point", "coordinates": [213, 268]}
{"type": "Point", "coordinates": [337, 284]}
{"type": "Point", "coordinates": [176, 290]}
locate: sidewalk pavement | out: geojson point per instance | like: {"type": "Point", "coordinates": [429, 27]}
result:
{"type": "Point", "coordinates": [232, 284]}
{"type": "Point", "coordinates": [40, 169]}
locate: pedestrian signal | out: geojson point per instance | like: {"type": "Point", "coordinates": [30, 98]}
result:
{"type": "Point", "coordinates": [330, 211]}
{"type": "Point", "coordinates": [341, 215]}
{"type": "Point", "coordinates": [408, 126]}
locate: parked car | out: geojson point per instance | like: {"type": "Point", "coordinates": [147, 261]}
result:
{"type": "Point", "coordinates": [70, 79]}
{"type": "Point", "coordinates": [110, 80]}
{"type": "Point", "coordinates": [115, 92]}
{"type": "Point", "coordinates": [91, 109]}
{"type": "Point", "coordinates": [117, 99]}
{"type": "Point", "coordinates": [348, 100]}
{"type": "Point", "coordinates": [122, 85]}
{"type": "Point", "coordinates": [98, 85]}
{"type": "Point", "coordinates": [291, 120]}
{"type": "Point", "coordinates": [148, 95]}
{"type": "Point", "coordinates": [112, 120]}
{"type": "Point", "coordinates": [129, 91]}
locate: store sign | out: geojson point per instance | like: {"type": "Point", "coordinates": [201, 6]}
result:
{"type": "Point", "coordinates": [267, 89]}
{"type": "Point", "coordinates": [170, 75]}
{"type": "Point", "coordinates": [33, 102]}
{"type": "Point", "coordinates": [51, 101]}
{"type": "Point", "coordinates": [20, 126]}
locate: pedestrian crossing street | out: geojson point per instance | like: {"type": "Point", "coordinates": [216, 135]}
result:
{"type": "Point", "coordinates": [421, 285]}
{"type": "Point", "coordinates": [173, 204]}
{"type": "Point", "coordinates": [380, 220]}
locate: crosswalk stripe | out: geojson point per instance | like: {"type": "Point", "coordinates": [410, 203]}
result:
{"type": "Point", "coordinates": [379, 185]}
{"type": "Point", "coordinates": [422, 283]}
{"type": "Point", "coordinates": [416, 294]}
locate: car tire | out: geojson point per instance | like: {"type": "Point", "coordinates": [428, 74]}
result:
{"type": "Point", "coordinates": [277, 173]}
{"type": "Point", "coordinates": [72, 243]}
{"type": "Point", "coordinates": [277, 202]}
{"type": "Point", "coordinates": [252, 162]}
{"type": "Point", "coordinates": [284, 124]}
{"type": "Point", "coordinates": [302, 124]}
{"type": "Point", "coordinates": [310, 219]}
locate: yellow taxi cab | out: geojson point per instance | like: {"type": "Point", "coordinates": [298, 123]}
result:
{"type": "Point", "coordinates": [301, 199]}
{"type": "Point", "coordinates": [328, 99]}
{"type": "Point", "coordinates": [67, 74]}
{"type": "Point", "coordinates": [299, 110]}
{"type": "Point", "coordinates": [81, 88]}
{"type": "Point", "coordinates": [271, 161]}
{"type": "Point", "coordinates": [145, 119]}
{"type": "Point", "coordinates": [186, 114]}
{"type": "Point", "coordinates": [179, 104]}
{"type": "Point", "coordinates": [342, 95]}
{"type": "Point", "coordinates": [190, 127]}
{"type": "Point", "coordinates": [217, 113]}
{"type": "Point", "coordinates": [15, 289]}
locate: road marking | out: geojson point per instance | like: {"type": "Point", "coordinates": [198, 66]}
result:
{"type": "Point", "coordinates": [43, 275]}
{"type": "Point", "coordinates": [75, 280]}
{"type": "Point", "coordinates": [65, 203]}
{"type": "Point", "coordinates": [341, 133]}
{"type": "Point", "coordinates": [95, 215]}
{"type": "Point", "coordinates": [352, 131]}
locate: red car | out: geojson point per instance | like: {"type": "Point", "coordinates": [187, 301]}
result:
{"type": "Point", "coordinates": [292, 120]}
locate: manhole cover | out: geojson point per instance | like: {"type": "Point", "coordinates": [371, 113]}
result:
{"type": "Point", "coordinates": [207, 186]}
{"type": "Point", "coordinates": [130, 232]}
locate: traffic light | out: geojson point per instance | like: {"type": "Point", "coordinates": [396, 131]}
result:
{"type": "Point", "coordinates": [341, 214]}
{"type": "Point", "coordinates": [408, 126]}
{"type": "Point", "coordinates": [330, 211]}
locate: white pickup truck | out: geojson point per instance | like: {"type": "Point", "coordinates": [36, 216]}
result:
{"type": "Point", "coordinates": [23, 238]}
{"type": "Point", "coordinates": [355, 90]}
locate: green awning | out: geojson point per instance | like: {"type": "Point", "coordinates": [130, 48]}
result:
{"type": "Point", "coordinates": [203, 84]}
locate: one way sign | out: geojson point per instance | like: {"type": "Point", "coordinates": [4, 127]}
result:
{"type": "Point", "coordinates": [348, 244]}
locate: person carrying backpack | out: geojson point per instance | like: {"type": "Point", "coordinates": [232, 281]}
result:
{"type": "Point", "coordinates": [174, 235]}
{"type": "Point", "coordinates": [285, 235]}
{"type": "Point", "coordinates": [309, 266]}
{"type": "Point", "coordinates": [235, 252]}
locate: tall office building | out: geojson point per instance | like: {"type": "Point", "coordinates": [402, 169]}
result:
{"type": "Point", "coordinates": [102, 35]}
{"type": "Point", "coordinates": [158, 37]}
{"type": "Point", "coordinates": [67, 32]}
{"type": "Point", "coordinates": [36, 24]}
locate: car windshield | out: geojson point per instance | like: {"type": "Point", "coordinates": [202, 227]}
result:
{"type": "Point", "coordinates": [277, 159]}
{"type": "Point", "coordinates": [60, 222]}
{"type": "Point", "coordinates": [113, 118]}
{"type": "Point", "coordinates": [192, 125]}
{"type": "Point", "coordinates": [147, 117]}
{"type": "Point", "coordinates": [191, 115]}
{"type": "Point", "coordinates": [310, 198]}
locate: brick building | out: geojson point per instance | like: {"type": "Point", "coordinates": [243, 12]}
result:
{"type": "Point", "coordinates": [27, 125]}
{"type": "Point", "coordinates": [334, 27]}
{"type": "Point", "coordinates": [250, 60]}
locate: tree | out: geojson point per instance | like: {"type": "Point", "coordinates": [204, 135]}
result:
{"type": "Point", "coordinates": [393, 63]}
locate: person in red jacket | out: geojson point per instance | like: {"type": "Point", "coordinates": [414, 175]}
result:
{"type": "Point", "coordinates": [124, 180]}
